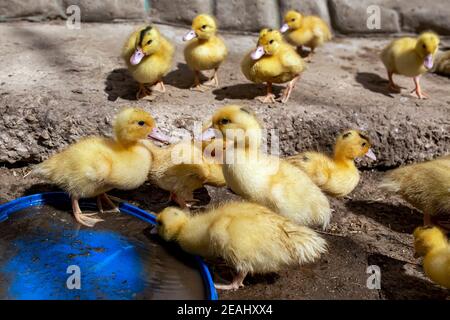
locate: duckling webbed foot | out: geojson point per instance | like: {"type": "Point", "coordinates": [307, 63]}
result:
{"type": "Point", "coordinates": [197, 86]}
{"type": "Point", "coordinates": [87, 220]}
{"type": "Point", "coordinates": [143, 91]}
{"type": "Point", "coordinates": [238, 282]}
{"type": "Point", "coordinates": [159, 87]}
{"type": "Point", "coordinates": [269, 97]}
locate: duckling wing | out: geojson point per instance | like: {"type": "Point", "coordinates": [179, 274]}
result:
{"type": "Point", "coordinates": [183, 177]}
{"type": "Point", "coordinates": [316, 166]}
{"type": "Point", "coordinates": [291, 60]}
{"type": "Point", "coordinates": [82, 169]}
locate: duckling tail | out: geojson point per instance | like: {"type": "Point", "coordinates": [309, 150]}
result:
{"type": "Point", "coordinates": [308, 245]}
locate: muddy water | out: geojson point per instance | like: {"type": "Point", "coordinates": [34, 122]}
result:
{"type": "Point", "coordinates": [43, 253]}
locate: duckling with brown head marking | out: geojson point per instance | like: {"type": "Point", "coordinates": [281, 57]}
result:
{"type": "Point", "coordinates": [149, 58]}
{"type": "Point", "coordinates": [337, 176]}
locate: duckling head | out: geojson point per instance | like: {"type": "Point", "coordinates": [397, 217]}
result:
{"type": "Point", "coordinates": [426, 47]}
{"type": "Point", "coordinates": [353, 144]}
{"type": "Point", "coordinates": [134, 124]}
{"type": "Point", "coordinates": [268, 43]}
{"type": "Point", "coordinates": [203, 27]}
{"type": "Point", "coordinates": [170, 222]}
{"type": "Point", "coordinates": [428, 238]}
{"type": "Point", "coordinates": [237, 126]}
{"type": "Point", "coordinates": [147, 43]}
{"type": "Point", "coordinates": [292, 21]}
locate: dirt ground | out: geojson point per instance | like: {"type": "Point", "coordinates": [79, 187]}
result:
{"type": "Point", "coordinates": [78, 76]}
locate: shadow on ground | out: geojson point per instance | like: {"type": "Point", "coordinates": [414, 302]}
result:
{"type": "Point", "coordinates": [398, 217]}
{"type": "Point", "coordinates": [330, 276]}
{"type": "Point", "coordinates": [374, 83]}
{"type": "Point", "coordinates": [244, 91]}
{"type": "Point", "coordinates": [182, 77]}
{"type": "Point", "coordinates": [120, 84]}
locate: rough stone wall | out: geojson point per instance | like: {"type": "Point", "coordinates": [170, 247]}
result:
{"type": "Point", "coordinates": [345, 16]}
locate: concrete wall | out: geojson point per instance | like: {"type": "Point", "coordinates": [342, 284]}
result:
{"type": "Point", "coordinates": [345, 16]}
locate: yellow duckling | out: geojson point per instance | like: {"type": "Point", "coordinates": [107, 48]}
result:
{"type": "Point", "coordinates": [95, 165]}
{"type": "Point", "coordinates": [249, 237]}
{"type": "Point", "coordinates": [181, 169]}
{"type": "Point", "coordinates": [336, 176]}
{"type": "Point", "coordinates": [205, 50]}
{"type": "Point", "coordinates": [410, 57]}
{"type": "Point", "coordinates": [273, 61]}
{"type": "Point", "coordinates": [425, 185]}
{"type": "Point", "coordinates": [309, 31]}
{"type": "Point", "coordinates": [432, 244]}
{"type": "Point", "coordinates": [442, 65]}
{"type": "Point", "coordinates": [265, 179]}
{"type": "Point", "coordinates": [149, 58]}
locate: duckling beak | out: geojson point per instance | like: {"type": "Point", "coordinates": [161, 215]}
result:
{"type": "Point", "coordinates": [190, 35]}
{"type": "Point", "coordinates": [370, 154]}
{"type": "Point", "coordinates": [284, 28]}
{"type": "Point", "coordinates": [157, 135]}
{"type": "Point", "coordinates": [257, 53]}
{"type": "Point", "coordinates": [428, 61]}
{"type": "Point", "coordinates": [208, 134]}
{"type": "Point", "coordinates": [137, 56]}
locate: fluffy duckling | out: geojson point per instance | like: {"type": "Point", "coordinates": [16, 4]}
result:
{"type": "Point", "coordinates": [273, 61]}
{"type": "Point", "coordinates": [336, 176]}
{"type": "Point", "coordinates": [181, 169]}
{"type": "Point", "coordinates": [410, 57]}
{"type": "Point", "coordinates": [265, 179]}
{"type": "Point", "coordinates": [95, 165]}
{"type": "Point", "coordinates": [148, 56]}
{"type": "Point", "coordinates": [249, 237]}
{"type": "Point", "coordinates": [425, 185]}
{"type": "Point", "coordinates": [205, 50]}
{"type": "Point", "coordinates": [309, 31]}
{"type": "Point", "coordinates": [442, 65]}
{"type": "Point", "coordinates": [432, 244]}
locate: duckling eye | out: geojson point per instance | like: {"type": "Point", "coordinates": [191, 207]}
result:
{"type": "Point", "coordinates": [224, 121]}
{"type": "Point", "coordinates": [271, 41]}
{"type": "Point", "coordinates": [364, 144]}
{"type": "Point", "coordinates": [141, 123]}
{"type": "Point", "coordinates": [149, 41]}
{"type": "Point", "coordinates": [293, 19]}
{"type": "Point", "coordinates": [424, 46]}
{"type": "Point", "coordinates": [204, 26]}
